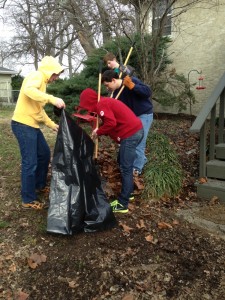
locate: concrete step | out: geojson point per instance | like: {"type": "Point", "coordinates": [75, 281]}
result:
{"type": "Point", "coordinates": [211, 188]}
{"type": "Point", "coordinates": [220, 151]}
{"type": "Point", "coordinates": [215, 169]}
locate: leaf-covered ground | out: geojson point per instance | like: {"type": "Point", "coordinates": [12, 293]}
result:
{"type": "Point", "coordinates": [150, 254]}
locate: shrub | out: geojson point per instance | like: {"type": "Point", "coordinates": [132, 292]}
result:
{"type": "Point", "coordinates": [163, 174]}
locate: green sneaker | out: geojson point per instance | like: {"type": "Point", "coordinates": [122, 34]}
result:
{"type": "Point", "coordinates": [131, 198]}
{"type": "Point", "coordinates": [119, 208]}
{"type": "Point", "coordinates": [113, 203]}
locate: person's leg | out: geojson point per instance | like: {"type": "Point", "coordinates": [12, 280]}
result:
{"type": "Point", "coordinates": [27, 139]}
{"type": "Point", "coordinates": [127, 155]}
{"type": "Point", "coordinates": [43, 159]}
{"type": "Point", "coordinates": [141, 159]}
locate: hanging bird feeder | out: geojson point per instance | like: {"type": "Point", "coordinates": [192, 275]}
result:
{"type": "Point", "coordinates": [200, 84]}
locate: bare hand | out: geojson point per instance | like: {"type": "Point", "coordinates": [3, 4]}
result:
{"type": "Point", "coordinates": [56, 128]}
{"type": "Point", "coordinates": [94, 134]}
{"type": "Point", "coordinates": [60, 103]}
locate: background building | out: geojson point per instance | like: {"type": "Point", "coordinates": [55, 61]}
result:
{"type": "Point", "coordinates": [198, 45]}
{"type": "Point", "coordinates": [6, 85]}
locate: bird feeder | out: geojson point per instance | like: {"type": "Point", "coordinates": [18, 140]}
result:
{"type": "Point", "coordinates": [200, 84]}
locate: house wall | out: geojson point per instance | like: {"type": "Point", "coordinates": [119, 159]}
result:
{"type": "Point", "coordinates": [5, 88]}
{"type": "Point", "coordinates": [198, 43]}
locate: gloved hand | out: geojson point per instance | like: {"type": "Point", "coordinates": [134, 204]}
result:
{"type": "Point", "coordinates": [125, 71]}
{"type": "Point", "coordinates": [60, 103]}
{"type": "Point", "coordinates": [127, 81]}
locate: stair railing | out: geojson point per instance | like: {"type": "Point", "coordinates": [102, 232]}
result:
{"type": "Point", "coordinates": [213, 108]}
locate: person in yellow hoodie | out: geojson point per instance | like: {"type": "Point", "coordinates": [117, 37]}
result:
{"type": "Point", "coordinates": [28, 115]}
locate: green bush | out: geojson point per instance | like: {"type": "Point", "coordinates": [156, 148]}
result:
{"type": "Point", "coordinates": [163, 174]}
{"type": "Point", "coordinates": [17, 82]}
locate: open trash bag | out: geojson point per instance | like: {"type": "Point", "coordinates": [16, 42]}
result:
{"type": "Point", "coordinates": [77, 200]}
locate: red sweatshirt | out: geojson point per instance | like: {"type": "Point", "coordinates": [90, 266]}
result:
{"type": "Point", "coordinates": [119, 122]}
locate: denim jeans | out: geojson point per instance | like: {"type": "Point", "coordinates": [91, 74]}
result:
{"type": "Point", "coordinates": [141, 159]}
{"type": "Point", "coordinates": [35, 155]}
{"type": "Point", "coordinates": [127, 154]}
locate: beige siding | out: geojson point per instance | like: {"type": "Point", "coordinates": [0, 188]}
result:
{"type": "Point", "coordinates": [199, 43]}
{"type": "Point", "coordinates": [5, 88]}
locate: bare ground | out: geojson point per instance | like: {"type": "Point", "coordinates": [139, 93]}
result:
{"type": "Point", "coordinates": [153, 252]}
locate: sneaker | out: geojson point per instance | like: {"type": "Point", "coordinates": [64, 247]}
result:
{"type": "Point", "coordinates": [113, 203]}
{"type": "Point", "coordinates": [131, 198]}
{"type": "Point", "coordinates": [136, 173]}
{"type": "Point", "coordinates": [37, 205]}
{"type": "Point", "coordinates": [119, 208]}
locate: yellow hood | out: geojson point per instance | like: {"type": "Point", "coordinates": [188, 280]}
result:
{"type": "Point", "coordinates": [49, 66]}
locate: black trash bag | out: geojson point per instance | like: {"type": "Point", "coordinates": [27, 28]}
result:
{"type": "Point", "coordinates": [77, 200]}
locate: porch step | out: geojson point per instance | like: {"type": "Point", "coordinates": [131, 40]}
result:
{"type": "Point", "coordinates": [220, 151]}
{"type": "Point", "coordinates": [215, 169]}
{"type": "Point", "coordinates": [212, 188]}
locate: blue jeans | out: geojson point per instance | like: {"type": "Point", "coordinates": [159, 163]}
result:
{"type": "Point", "coordinates": [127, 154]}
{"type": "Point", "coordinates": [35, 155]}
{"type": "Point", "coordinates": [141, 159]}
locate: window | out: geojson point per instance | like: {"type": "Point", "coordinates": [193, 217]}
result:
{"type": "Point", "coordinates": [162, 10]}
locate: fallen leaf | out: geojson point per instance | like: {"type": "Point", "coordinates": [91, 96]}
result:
{"type": "Point", "coordinates": [73, 284]}
{"type": "Point", "coordinates": [12, 268]}
{"type": "Point", "coordinates": [8, 257]}
{"type": "Point", "coordinates": [32, 265]}
{"type": "Point", "coordinates": [21, 295]}
{"type": "Point", "coordinates": [126, 228]}
{"type": "Point", "coordinates": [164, 225]}
{"type": "Point", "coordinates": [36, 259]}
{"type": "Point", "coordinates": [131, 206]}
{"type": "Point", "coordinates": [175, 222]}
{"type": "Point", "coordinates": [141, 225]}
{"type": "Point", "coordinates": [202, 180]}
{"type": "Point", "coordinates": [43, 258]}
{"type": "Point", "coordinates": [214, 200]}
{"type": "Point", "coordinates": [139, 183]}
{"type": "Point", "coordinates": [149, 238]}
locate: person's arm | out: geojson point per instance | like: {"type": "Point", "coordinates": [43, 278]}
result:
{"type": "Point", "coordinates": [31, 88]}
{"type": "Point", "coordinates": [108, 118]}
{"type": "Point", "coordinates": [48, 122]}
{"type": "Point", "coordinates": [137, 86]}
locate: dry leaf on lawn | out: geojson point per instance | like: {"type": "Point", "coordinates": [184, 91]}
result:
{"type": "Point", "coordinates": [73, 284]}
{"type": "Point", "coordinates": [164, 225]}
{"type": "Point", "coordinates": [32, 265]}
{"type": "Point", "coordinates": [36, 259]}
{"type": "Point", "coordinates": [8, 257]}
{"type": "Point", "coordinates": [126, 228]}
{"type": "Point", "coordinates": [141, 224]}
{"type": "Point", "coordinates": [21, 295]}
{"type": "Point", "coordinates": [149, 238]}
{"type": "Point", "coordinates": [12, 268]}
{"type": "Point", "coordinates": [176, 222]}
{"type": "Point", "coordinates": [214, 200]}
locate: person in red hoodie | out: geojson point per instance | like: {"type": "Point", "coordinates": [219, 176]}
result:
{"type": "Point", "coordinates": [121, 124]}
